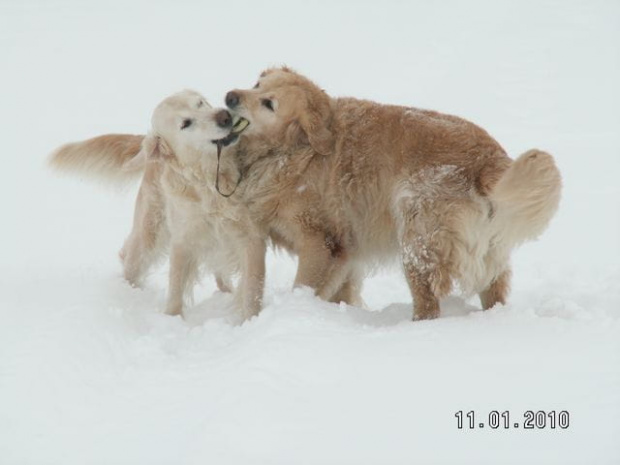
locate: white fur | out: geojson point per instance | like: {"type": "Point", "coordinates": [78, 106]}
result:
{"type": "Point", "coordinates": [177, 208]}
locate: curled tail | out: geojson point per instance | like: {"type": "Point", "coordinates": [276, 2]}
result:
{"type": "Point", "coordinates": [111, 157]}
{"type": "Point", "coordinates": [523, 199]}
{"type": "Point", "coordinates": [526, 197]}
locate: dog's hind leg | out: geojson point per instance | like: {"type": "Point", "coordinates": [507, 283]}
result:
{"type": "Point", "coordinates": [427, 243]}
{"type": "Point", "coordinates": [148, 237]}
{"type": "Point", "coordinates": [427, 272]}
{"type": "Point", "coordinates": [425, 301]}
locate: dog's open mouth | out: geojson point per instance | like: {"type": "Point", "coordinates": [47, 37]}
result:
{"type": "Point", "coordinates": [240, 126]}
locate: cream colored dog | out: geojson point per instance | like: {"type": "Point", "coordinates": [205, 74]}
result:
{"type": "Point", "coordinates": [177, 207]}
{"type": "Point", "coordinates": [348, 183]}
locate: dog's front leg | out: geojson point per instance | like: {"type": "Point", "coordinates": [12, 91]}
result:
{"type": "Point", "coordinates": [252, 281]}
{"type": "Point", "coordinates": [183, 271]}
{"type": "Point", "coordinates": [315, 263]}
{"type": "Point", "coordinates": [335, 276]}
{"type": "Point", "coordinates": [350, 291]}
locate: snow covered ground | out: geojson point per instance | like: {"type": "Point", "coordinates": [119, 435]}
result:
{"type": "Point", "coordinates": [91, 371]}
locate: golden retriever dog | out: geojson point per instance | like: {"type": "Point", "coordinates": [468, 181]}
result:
{"type": "Point", "coordinates": [178, 208]}
{"type": "Point", "coordinates": [348, 183]}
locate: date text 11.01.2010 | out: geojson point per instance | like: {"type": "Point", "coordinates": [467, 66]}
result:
{"type": "Point", "coordinates": [530, 419]}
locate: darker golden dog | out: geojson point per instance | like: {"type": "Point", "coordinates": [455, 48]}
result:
{"type": "Point", "coordinates": [347, 184]}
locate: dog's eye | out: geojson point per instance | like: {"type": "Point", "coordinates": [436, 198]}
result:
{"type": "Point", "coordinates": [200, 103]}
{"type": "Point", "coordinates": [186, 123]}
{"type": "Point", "coordinates": [267, 104]}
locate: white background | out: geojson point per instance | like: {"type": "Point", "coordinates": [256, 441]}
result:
{"type": "Point", "coordinates": [91, 371]}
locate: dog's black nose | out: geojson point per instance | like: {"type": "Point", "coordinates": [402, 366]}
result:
{"type": "Point", "coordinates": [232, 99]}
{"type": "Point", "coordinates": [223, 119]}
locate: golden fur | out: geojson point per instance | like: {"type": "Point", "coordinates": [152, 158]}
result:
{"type": "Point", "coordinates": [177, 207]}
{"type": "Point", "coordinates": [348, 183]}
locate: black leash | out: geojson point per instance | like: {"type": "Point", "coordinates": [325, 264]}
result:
{"type": "Point", "coordinates": [217, 175]}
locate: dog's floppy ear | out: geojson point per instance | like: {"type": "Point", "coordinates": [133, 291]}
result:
{"type": "Point", "coordinates": [153, 147]}
{"type": "Point", "coordinates": [316, 122]}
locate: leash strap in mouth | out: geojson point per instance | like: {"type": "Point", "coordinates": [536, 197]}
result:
{"type": "Point", "coordinates": [217, 175]}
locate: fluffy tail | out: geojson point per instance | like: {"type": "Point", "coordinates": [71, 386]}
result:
{"type": "Point", "coordinates": [112, 157]}
{"type": "Point", "coordinates": [526, 197]}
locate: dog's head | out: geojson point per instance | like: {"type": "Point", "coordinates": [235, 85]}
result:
{"type": "Point", "coordinates": [186, 127]}
{"type": "Point", "coordinates": [285, 108]}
